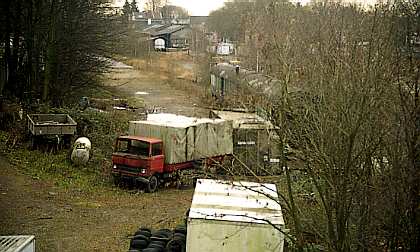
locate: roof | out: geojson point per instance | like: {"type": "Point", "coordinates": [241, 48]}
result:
{"type": "Point", "coordinates": [176, 121]}
{"type": "Point", "coordinates": [263, 83]}
{"type": "Point", "coordinates": [243, 120]}
{"type": "Point", "coordinates": [15, 243]}
{"type": "Point", "coordinates": [168, 30]}
{"type": "Point", "coordinates": [236, 202]}
{"type": "Point", "coordinates": [153, 27]}
{"type": "Point", "coordinates": [140, 138]}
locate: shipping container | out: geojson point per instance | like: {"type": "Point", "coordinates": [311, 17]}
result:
{"type": "Point", "coordinates": [234, 216]}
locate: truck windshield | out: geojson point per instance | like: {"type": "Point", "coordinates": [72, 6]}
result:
{"type": "Point", "coordinates": [133, 147]}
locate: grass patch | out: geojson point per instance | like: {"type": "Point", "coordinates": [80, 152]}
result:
{"type": "Point", "coordinates": [101, 127]}
{"type": "Point", "coordinates": [54, 168]}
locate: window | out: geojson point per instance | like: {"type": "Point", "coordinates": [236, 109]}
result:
{"type": "Point", "coordinates": [156, 149]}
{"type": "Point", "coordinates": [133, 147]}
{"type": "Point", "coordinates": [139, 148]}
{"type": "Point", "coordinates": [122, 146]}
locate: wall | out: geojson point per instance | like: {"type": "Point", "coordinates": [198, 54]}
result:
{"type": "Point", "coordinates": [225, 236]}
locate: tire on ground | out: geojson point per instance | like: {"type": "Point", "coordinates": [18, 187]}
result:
{"type": "Point", "coordinates": [143, 232]}
{"type": "Point", "coordinates": [138, 244]}
{"type": "Point", "coordinates": [175, 245]}
{"type": "Point", "coordinates": [152, 185]}
{"type": "Point", "coordinates": [141, 237]}
{"type": "Point", "coordinates": [156, 245]}
{"type": "Point", "coordinates": [152, 250]}
{"type": "Point", "coordinates": [145, 229]}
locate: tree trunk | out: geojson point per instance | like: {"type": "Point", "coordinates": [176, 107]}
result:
{"type": "Point", "coordinates": [51, 56]}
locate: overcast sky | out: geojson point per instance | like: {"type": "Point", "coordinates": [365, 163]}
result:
{"type": "Point", "coordinates": [199, 7]}
{"type": "Point", "coordinates": [204, 7]}
{"type": "Point", "coordinates": [194, 7]}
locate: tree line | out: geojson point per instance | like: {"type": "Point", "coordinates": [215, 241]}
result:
{"type": "Point", "coordinates": [49, 49]}
{"type": "Point", "coordinates": [354, 123]}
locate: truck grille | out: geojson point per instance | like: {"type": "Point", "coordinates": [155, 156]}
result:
{"type": "Point", "coordinates": [127, 168]}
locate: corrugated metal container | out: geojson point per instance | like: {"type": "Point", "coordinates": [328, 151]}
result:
{"type": "Point", "coordinates": [186, 138]}
{"type": "Point", "coordinates": [234, 216]}
{"type": "Point", "coordinates": [21, 243]}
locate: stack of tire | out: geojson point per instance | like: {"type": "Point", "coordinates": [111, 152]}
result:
{"type": "Point", "coordinates": [162, 240]}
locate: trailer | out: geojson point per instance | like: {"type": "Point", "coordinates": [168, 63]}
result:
{"type": "Point", "coordinates": [235, 216]}
{"type": "Point", "coordinates": [255, 142]}
{"type": "Point", "coordinates": [156, 150]}
{"type": "Point", "coordinates": [59, 126]}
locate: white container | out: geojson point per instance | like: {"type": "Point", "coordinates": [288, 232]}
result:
{"type": "Point", "coordinates": [224, 48]}
{"type": "Point", "coordinates": [20, 243]}
{"type": "Point", "coordinates": [159, 44]}
{"type": "Point", "coordinates": [234, 216]}
{"type": "Point", "coordinates": [81, 151]}
{"type": "Point", "coordinates": [186, 138]}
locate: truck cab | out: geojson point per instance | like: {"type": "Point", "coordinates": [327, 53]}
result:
{"type": "Point", "coordinates": [139, 159]}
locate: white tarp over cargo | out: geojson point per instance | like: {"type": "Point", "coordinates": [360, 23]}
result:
{"type": "Point", "coordinates": [186, 138]}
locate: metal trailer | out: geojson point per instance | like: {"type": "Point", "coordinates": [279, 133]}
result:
{"type": "Point", "coordinates": [230, 216]}
{"type": "Point", "coordinates": [20, 243]}
{"type": "Point", "coordinates": [60, 126]}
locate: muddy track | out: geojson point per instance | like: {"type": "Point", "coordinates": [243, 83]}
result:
{"type": "Point", "coordinates": [165, 84]}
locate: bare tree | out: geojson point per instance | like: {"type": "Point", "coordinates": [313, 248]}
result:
{"type": "Point", "coordinates": [354, 124]}
{"type": "Point", "coordinates": [154, 7]}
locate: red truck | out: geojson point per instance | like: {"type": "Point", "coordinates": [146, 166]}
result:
{"type": "Point", "coordinates": [142, 159]}
{"type": "Point", "coordinates": [159, 148]}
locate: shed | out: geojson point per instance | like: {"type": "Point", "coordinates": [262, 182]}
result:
{"type": "Point", "coordinates": [175, 36]}
{"type": "Point", "coordinates": [234, 216]}
{"type": "Point", "coordinates": [226, 78]}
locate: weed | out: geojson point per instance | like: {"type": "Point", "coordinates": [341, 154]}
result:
{"type": "Point", "coordinates": [101, 128]}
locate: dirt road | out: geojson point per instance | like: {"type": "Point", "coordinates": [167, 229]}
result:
{"type": "Point", "coordinates": [65, 220]}
{"type": "Point", "coordinates": [102, 220]}
{"type": "Point", "coordinates": [165, 83]}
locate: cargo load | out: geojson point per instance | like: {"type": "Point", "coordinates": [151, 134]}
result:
{"type": "Point", "coordinates": [186, 138]}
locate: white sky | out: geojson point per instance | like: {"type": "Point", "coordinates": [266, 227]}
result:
{"type": "Point", "coordinates": [199, 7]}
{"type": "Point", "coordinates": [194, 7]}
{"type": "Point", "coordinates": [204, 7]}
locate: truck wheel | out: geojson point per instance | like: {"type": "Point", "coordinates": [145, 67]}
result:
{"type": "Point", "coordinates": [117, 180]}
{"type": "Point", "coordinates": [34, 142]}
{"type": "Point", "coordinates": [152, 185]}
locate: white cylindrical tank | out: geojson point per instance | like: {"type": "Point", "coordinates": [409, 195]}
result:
{"type": "Point", "coordinates": [81, 151]}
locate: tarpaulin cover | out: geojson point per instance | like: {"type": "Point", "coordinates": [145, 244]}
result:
{"type": "Point", "coordinates": [186, 138]}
